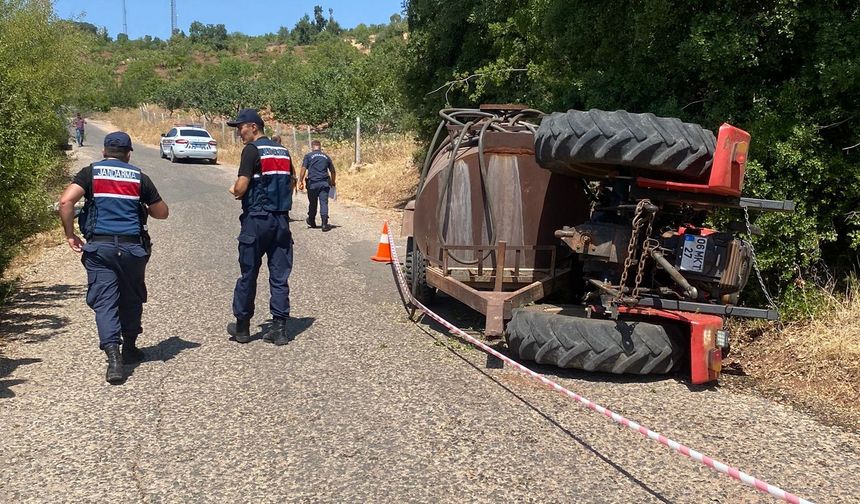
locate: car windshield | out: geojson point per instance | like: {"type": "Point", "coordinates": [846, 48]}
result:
{"type": "Point", "coordinates": [194, 133]}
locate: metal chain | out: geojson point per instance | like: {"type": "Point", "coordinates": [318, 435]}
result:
{"type": "Point", "coordinates": [647, 245]}
{"type": "Point", "coordinates": [770, 300]}
{"type": "Point", "coordinates": [631, 247]}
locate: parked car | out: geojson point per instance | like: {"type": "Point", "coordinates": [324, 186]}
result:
{"type": "Point", "coordinates": [188, 142]}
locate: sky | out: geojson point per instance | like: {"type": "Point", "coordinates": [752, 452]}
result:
{"type": "Point", "coordinates": [251, 17]}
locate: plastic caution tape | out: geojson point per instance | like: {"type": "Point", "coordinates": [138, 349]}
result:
{"type": "Point", "coordinates": [615, 417]}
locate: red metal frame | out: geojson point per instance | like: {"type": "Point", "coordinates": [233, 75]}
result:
{"type": "Point", "coordinates": [727, 171]}
{"type": "Point", "coordinates": [705, 357]}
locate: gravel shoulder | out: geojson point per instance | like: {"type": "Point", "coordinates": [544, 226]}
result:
{"type": "Point", "coordinates": [363, 406]}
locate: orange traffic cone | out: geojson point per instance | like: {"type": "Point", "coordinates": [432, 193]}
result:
{"type": "Point", "coordinates": [383, 251]}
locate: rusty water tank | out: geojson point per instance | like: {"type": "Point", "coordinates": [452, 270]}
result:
{"type": "Point", "coordinates": [482, 185]}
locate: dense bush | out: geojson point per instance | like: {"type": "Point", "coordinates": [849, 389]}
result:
{"type": "Point", "coordinates": [35, 83]}
{"type": "Point", "coordinates": [788, 72]}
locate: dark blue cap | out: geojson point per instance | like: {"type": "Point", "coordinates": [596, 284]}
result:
{"type": "Point", "coordinates": [118, 140]}
{"type": "Point", "coordinates": [247, 115]}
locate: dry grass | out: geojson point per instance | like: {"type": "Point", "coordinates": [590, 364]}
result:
{"type": "Point", "coordinates": [148, 129]}
{"type": "Point", "coordinates": [387, 178]}
{"type": "Point", "coordinates": [814, 363]}
{"type": "Point", "coordinates": [31, 251]}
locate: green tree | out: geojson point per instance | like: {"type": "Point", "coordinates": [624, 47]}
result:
{"type": "Point", "coordinates": [304, 31]}
{"type": "Point", "coordinates": [319, 20]}
{"type": "Point", "coordinates": [211, 35]}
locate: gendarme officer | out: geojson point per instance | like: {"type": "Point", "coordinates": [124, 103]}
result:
{"type": "Point", "coordinates": [318, 174]}
{"type": "Point", "coordinates": [264, 184]}
{"type": "Point", "coordinates": [119, 197]}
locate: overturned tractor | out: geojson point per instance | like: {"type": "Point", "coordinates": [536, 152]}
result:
{"type": "Point", "coordinates": [583, 239]}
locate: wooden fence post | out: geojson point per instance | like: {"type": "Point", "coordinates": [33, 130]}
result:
{"type": "Point", "coordinates": [358, 140]}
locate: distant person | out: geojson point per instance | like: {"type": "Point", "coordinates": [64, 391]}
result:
{"type": "Point", "coordinates": [119, 198]}
{"type": "Point", "coordinates": [264, 184]}
{"type": "Point", "coordinates": [79, 122]}
{"type": "Point", "coordinates": [318, 175]}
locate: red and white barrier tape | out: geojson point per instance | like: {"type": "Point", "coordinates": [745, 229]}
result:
{"type": "Point", "coordinates": [615, 417]}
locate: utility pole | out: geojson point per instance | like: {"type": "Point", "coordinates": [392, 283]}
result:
{"type": "Point", "coordinates": [124, 19]}
{"type": "Point", "coordinates": [172, 17]}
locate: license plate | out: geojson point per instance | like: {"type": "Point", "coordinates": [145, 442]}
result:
{"type": "Point", "coordinates": [200, 146]}
{"type": "Point", "coordinates": [693, 258]}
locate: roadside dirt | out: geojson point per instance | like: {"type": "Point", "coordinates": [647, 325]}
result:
{"type": "Point", "coordinates": [770, 363]}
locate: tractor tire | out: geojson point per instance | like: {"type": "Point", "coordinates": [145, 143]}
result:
{"type": "Point", "coordinates": [590, 143]}
{"type": "Point", "coordinates": [612, 346]}
{"type": "Point", "coordinates": [415, 270]}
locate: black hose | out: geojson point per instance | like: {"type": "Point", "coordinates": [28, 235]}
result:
{"type": "Point", "coordinates": [490, 121]}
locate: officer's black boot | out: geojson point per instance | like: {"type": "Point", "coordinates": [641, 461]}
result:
{"type": "Point", "coordinates": [130, 353]}
{"type": "Point", "coordinates": [325, 226]}
{"type": "Point", "coordinates": [241, 330]}
{"type": "Point", "coordinates": [311, 222]}
{"type": "Point", "coordinates": [279, 332]}
{"type": "Point", "coordinates": [114, 373]}
{"type": "Point", "coordinates": [275, 330]}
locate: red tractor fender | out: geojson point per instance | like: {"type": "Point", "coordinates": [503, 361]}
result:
{"type": "Point", "coordinates": [705, 357]}
{"type": "Point", "coordinates": [727, 171]}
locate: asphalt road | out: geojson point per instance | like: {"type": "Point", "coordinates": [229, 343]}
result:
{"type": "Point", "coordinates": [363, 406]}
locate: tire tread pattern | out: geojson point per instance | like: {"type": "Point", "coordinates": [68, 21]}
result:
{"type": "Point", "coordinates": [594, 344]}
{"type": "Point", "coordinates": [414, 265]}
{"type": "Point", "coordinates": [567, 140]}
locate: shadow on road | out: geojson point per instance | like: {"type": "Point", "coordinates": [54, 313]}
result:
{"type": "Point", "coordinates": [30, 316]}
{"type": "Point", "coordinates": [618, 468]}
{"type": "Point", "coordinates": [162, 351]}
{"type": "Point", "coordinates": [7, 367]}
{"type": "Point", "coordinates": [295, 326]}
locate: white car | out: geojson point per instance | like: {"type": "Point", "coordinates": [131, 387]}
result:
{"type": "Point", "coordinates": [188, 142]}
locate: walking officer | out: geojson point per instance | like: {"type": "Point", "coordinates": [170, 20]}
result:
{"type": "Point", "coordinates": [264, 184]}
{"type": "Point", "coordinates": [318, 171]}
{"type": "Point", "coordinates": [119, 198]}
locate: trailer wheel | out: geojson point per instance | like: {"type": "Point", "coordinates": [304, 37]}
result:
{"type": "Point", "coordinates": [415, 269]}
{"type": "Point", "coordinates": [622, 346]}
{"type": "Point", "coordinates": [566, 141]}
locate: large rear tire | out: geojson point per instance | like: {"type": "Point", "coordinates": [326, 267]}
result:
{"type": "Point", "coordinates": [595, 344]}
{"type": "Point", "coordinates": [415, 269]}
{"type": "Point", "coordinates": [584, 143]}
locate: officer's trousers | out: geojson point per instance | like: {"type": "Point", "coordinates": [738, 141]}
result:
{"type": "Point", "coordinates": [318, 192]}
{"type": "Point", "coordinates": [260, 234]}
{"type": "Point", "coordinates": [116, 288]}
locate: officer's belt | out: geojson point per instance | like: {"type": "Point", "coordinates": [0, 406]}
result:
{"type": "Point", "coordinates": [114, 239]}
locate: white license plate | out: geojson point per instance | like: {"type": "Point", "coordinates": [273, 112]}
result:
{"type": "Point", "coordinates": [202, 146]}
{"type": "Point", "coordinates": [693, 258]}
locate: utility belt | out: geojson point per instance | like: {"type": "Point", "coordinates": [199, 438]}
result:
{"type": "Point", "coordinates": [100, 238]}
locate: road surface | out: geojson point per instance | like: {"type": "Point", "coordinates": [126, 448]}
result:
{"type": "Point", "coordinates": [363, 406]}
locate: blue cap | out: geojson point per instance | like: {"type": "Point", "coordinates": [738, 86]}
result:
{"type": "Point", "coordinates": [118, 140]}
{"type": "Point", "coordinates": [247, 115]}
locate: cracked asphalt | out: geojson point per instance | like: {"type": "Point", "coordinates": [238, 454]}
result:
{"type": "Point", "coordinates": [364, 406]}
